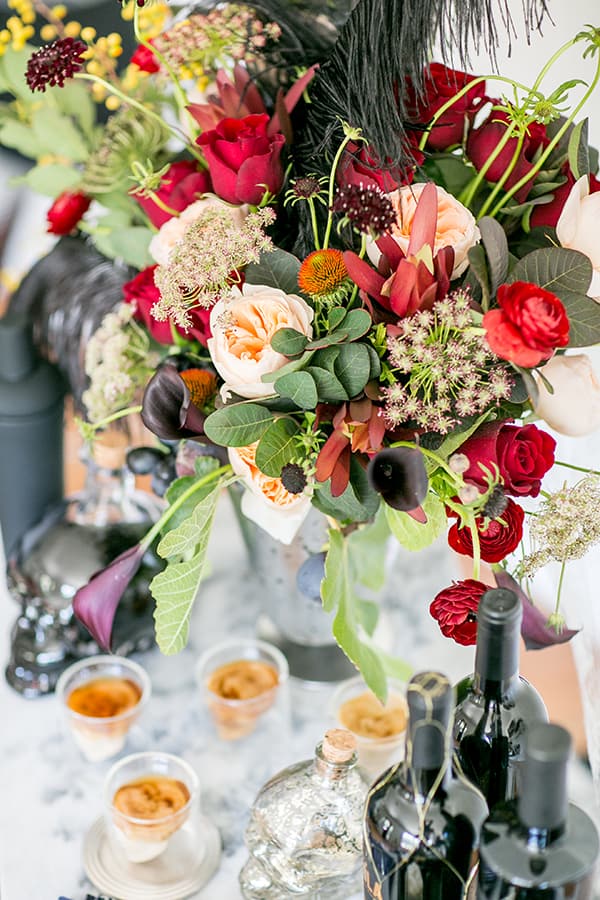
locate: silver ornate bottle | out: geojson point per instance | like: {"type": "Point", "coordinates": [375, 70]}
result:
{"type": "Point", "coordinates": [305, 830]}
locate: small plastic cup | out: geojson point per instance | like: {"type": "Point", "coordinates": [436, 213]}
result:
{"type": "Point", "coordinates": [136, 790]}
{"type": "Point", "coordinates": [101, 736]}
{"type": "Point", "coordinates": [356, 709]}
{"type": "Point", "coordinates": [230, 677]}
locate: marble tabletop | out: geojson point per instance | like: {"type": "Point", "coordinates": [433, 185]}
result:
{"type": "Point", "coordinates": [51, 795]}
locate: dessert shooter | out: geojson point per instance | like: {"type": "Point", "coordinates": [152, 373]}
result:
{"type": "Point", "coordinates": [150, 799]}
{"type": "Point", "coordinates": [241, 680]}
{"type": "Point", "coordinates": [102, 697]}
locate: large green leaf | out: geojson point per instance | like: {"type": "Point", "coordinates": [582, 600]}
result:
{"type": "Point", "coordinates": [13, 65]}
{"type": "Point", "coordinates": [478, 268]}
{"type": "Point", "coordinates": [238, 425]}
{"type": "Point", "coordinates": [353, 367]}
{"type": "Point", "coordinates": [75, 100]}
{"type": "Point", "coordinates": [579, 155]}
{"type": "Point", "coordinates": [128, 244]}
{"type": "Point", "coordinates": [289, 341]}
{"type": "Point", "coordinates": [19, 136]}
{"type": "Point", "coordinates": [299, 387]}
{"type": "Point", "coordinates": [358, 503]}
{"type": "Point", "coordinates": [47, 123]}
{"type": "Point", "coordinates": [329, 388]}
{"type": "Point", "coordinates": [494, 240]}
{"type": "Point", "coordinates": [356, 323]}
{"type": "Point", "coordinates": [456, 439]}
{"type": "Point", "coordinates": [50, 180]}
{"type": "Point", "coordinates": [368, 550]}
{"type": "Point", "coordinates": [205, 464]}
{"type": "Point", "coordinates": [415, 535]}
{"type": "Point", "coordinates": [276, 269]}
{"type": "Point", "coordinates": [277, 447]}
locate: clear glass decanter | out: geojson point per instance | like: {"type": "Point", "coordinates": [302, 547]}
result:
{"type": "Point", "coordinates": [305, 829]}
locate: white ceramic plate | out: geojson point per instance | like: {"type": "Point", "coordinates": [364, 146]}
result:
{"type": "Point", "coordinates": [163, 878]}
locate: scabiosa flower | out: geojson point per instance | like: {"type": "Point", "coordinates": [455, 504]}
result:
{"type": "Point", "coordinates": [53, 64]}
{"type": "Point", "coordinates": [323, 275]}
{"type": "Point", "coordinates": [307, 187]}
{"type": "Point", "coordinates": [293, 478]}
{"type": "Point", "coordinates": [446, 372]}
{"type": "Point", "coordinates": [366, 207]}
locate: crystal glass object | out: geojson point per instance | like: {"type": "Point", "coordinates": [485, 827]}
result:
{"type": "Point", "coordinates": [304, 835]}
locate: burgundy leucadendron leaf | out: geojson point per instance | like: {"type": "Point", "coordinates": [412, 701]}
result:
{"type": "Point", "coordinates": [534, 630]}
{"type": "Point", "coordinates": [96, 603]}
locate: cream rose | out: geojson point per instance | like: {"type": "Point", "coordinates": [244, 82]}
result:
{"type": "Point", "coordinates": [456, 226]}
{"type": "Point", "coordinates": [577, 228]}
{"type": "Point", "coordinates": [574, 407]}
{"type": "Point", "coordinates": [265, 501]}
{"type": "Point", "coordinates": [162, 244]}
{"type": "Point", "coordinates": [242, 326]}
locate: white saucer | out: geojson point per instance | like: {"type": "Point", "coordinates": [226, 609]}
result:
{"type": "Point", "coordinates": [163, 878]}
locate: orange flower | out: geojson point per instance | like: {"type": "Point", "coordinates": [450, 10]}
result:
{"type": "Point", "coordinates": [323, 274]}
{"type": "Point", "coordinates": [201, 384]}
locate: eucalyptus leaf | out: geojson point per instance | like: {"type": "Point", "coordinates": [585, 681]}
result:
{"type": "Point", "coordinates": [289, 341]}
{"type": "Point", "coordinates": [277, 269]}
{"type": "Point", "coordinates": [293, 366]}
{"type": "Point", "coordinates": [356, 324]}
{"type": "Point", "coordinates": [329, 389]}
{"type": "Point", "coordinates": [353, 368]}
{"type": "Point", "coordinates": [375, 362]}
{"type": "Point", "coordinates": [417, 535]}
{"type": "Point", "coordinates": [494, 240]}
{"type": "Point", "coordinates": [299, 387]}
{"type": "Point", "coordinates": [478, 268]}
{"type": "Point", "coordinates": [336, 316]}
{"type": "Point", "coordinates": [327, 340]}
{"type": "Point", "coordinates": [277, 447]}
{"type": "Point", "coordinates": [579, 157]}
{"type": "Point", "coordinates": [584, 319]}
{"type": "Point", "coordinates": [237, 425]}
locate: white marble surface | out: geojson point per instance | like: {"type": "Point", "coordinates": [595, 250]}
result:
{"type": "Point", "coordinates": [51, 796]}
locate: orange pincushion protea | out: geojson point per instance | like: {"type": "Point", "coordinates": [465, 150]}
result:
{"type": "Point", "coordinates": [201, 384]}
{"type": "Point", "coordinates": [324, 274]}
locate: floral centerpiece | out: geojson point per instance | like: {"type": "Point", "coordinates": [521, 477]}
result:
{"type": "Point", "coordinates": [366, 307]}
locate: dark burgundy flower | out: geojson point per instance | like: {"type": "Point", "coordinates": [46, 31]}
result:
{"type": "Point", "coordinates": [53, 64]}
{"type": "Point", "coordinates": [142, 291]}
{"type": "Point", "coordinates": [66, 211]}
{"type": "Point", "coordinates": [243, 159]}
{"type": "Point", "coordinates": [523, 454]}
{"type": "Point", "coordinates": [440, 85]}
{"type": "Point", "coordinates": [366, 207]}
{"type": "Point", "coordinates": [145, 60]}
{"type": "Point", "coordinates": [497, 540]}
{"type": "Point", "coordinates": [455, 610]}
{"type": "Point", "coordinates": [95, 604]}
{"type": "Point", "coordinates": [399, 475]}
{"type": "Point", "coordinates": [535, 631]}
{"type": "Point", "coordinates": [173, 401]}
{"type": "Point", "coordinates": [181, 185]}
{"type": "Point", "coordinates": [360, 166]}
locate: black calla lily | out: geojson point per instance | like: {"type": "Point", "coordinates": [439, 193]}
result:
{"type": "Point", "coordinates": [399, 475]}
{"type": "Point", "coordinates": [168, 409]}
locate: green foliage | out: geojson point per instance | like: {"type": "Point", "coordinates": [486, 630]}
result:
{"type": "Point", "coordinates": [50, 180]}
{"type": "Point", "coordinates": [415, 535]}
{"type": "Point", "coordinates": [204, 465]}
{"type": "Point", "coordinates": [277, 446]}
{"type": "Point", "coordinates": [358, 503]}
{"type": "Point", "coordinates": [300, 387]}
{"type": "Point", "coordinates": [238, 425]}
{"type": "Point", "coordinates": [478, 273]}
{"type": "Point", "coordinates": [129, 243]}
{"type": "Point", "coordinates": [578, 150]}
{"type": "Point", "coordinates": [449, 171]}
{"type": "Point", "coordinates": [276, 269]}
{"type": "Point", "coordinates": [493, 238]}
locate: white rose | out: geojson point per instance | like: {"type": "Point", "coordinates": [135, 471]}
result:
{"type": "Point", "coordinates": [456, 226]}
{"type": "Point", "coordinates": [242, 326]}
{"type": "Point", "coordinates": [574, 407]}
{"type": "Point", "coordinates": [577, 228]}
{"type": "Point", "coordinates": [265, 501]}
{"type": "Point", "coordinates": [173, 230]}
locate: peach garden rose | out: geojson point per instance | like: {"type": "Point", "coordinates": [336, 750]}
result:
{"type": "Point", "coordinates": [242, 325]}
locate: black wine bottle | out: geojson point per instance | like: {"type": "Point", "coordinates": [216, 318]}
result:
{"type": "Point", "coordinates": [495, 706]}
{"type": "Point", "coordinates": [540, 846]}
{"type": "Point", "coordinates": [422, 823]}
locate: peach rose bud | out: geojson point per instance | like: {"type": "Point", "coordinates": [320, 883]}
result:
{"type": "Point", "coordinates": [574, 407]}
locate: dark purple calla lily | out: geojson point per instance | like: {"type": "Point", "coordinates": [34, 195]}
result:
{"type": "Point", "coordinates": [534, 630]}
{"type": "Point", "coordinates": [168, 410]}
{"type": "Point", "coordinates": [399, 475]}
{"type": "Point", "coordinates": [96, 603]}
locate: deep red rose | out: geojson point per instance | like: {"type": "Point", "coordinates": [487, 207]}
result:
{"type": "Point", "coordinates": [483, 141]}
{"type": "Point", "coordinates": [243, 159]}
{"type": "Point", "coordinates": [440, 84]}
{"type": "Point", "coordinates": [66, 211]}
{"type": "Point", "coordinates": [530, 324]}
{"type": "Point", "coordinates": [360, 166]}
{"type": "Point", "coordinates": [497, 540]}
{"type": "Point", "coordinates": [145, 60]}
{"type": "Point", "coordinates": [181, 185]}
{"type": "Point", "coordinates": [455, 610]}
{"type": "Point", "coordinates": [523, 454]}
{"type": "Point", "coordinates": [142, 291]}
{"type": "Point", "coordinates": [548, 214]}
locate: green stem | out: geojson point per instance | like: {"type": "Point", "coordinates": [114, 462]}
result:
{"type": "Point", "coordinates": [180, 96]}
{"type": "Point", "coordinates": [102, 423]}
{"type": "Point", "coordinates": [545, 69]}
{"type": "Point", "coordinates": [467, 195]}
{"type": "Point", "coordinates": [330, 190]}
{"type": "Point", "coordinates": [152, 195]}
{"type": "Point", "coordinates": [476, 548]}
{"type": "Point", "coordinates": [577, 468]}
{"type": "Point", "coordinates": [559, 589]}
{"type": "Point", "coordinates": [441, 463]}
{"type": "Point", "coordinates": [502, 181]}
{"type": "Point", "coordinates": [177, 504]}
{"type": "Point", "coordinates": [313, 219]}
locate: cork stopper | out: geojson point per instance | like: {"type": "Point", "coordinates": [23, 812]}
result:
{"type": "Point", "coordinates": [110, 449]}
{"type": "Point", "coordinates": [338, 746]}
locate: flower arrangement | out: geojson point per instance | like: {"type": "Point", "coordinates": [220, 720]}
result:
{"type": "Point", "coordinates": [380, 337]}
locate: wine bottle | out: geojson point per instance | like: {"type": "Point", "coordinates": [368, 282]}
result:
{"type": "Point", "coordinates": [495, 705]}
{"type": "Point", "coordinates": [540, 846]}
{"type": "Point", "coordinates": [422, 823]}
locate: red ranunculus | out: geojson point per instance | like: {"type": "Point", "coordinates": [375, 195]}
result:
{"type": "Point", "coordinates": [145, 60]}
{"type": "Point", "coordinates": [442, 83]}
{"type": "Point", "coordinates": [530, 324]}
{"type": "Point", "coordinates": [455, 610]}
{"type": "Point", "coordinates": [548, 214]}
{"type": "Point", "coordinates": [181, 185]}
{"type": "Point", "coordinates": [523, 454]}
{"type": "Point", "coordinates": [497, 540]}
{"type": "Point", "coordinates": [359, 166]}
{"type": "Point", "coordinates": [243, 159]}
{"type": "Point", "coordinates": [483, 141]}
{"type": "Point", "coordinates": [66, 211]}
{"type": "Point", "coordinates": [142, 291]}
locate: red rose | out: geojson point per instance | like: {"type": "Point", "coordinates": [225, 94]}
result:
{"type": "Point", "coordinates": [523, 455]}
{"type": "Point", "coordinates": [455, 610]}
{"type": "Point", "coordinates": [145, 60]}
{"type": "Point", "coordinates": [142, 291]}
{"type": "Point", "coordinates": [548, 214]}
{"type": "Point", "coordinates": [483, 141]}
{"type": "Point", "coordinates": [66, 211]}
{"type": "Point", "coordinates": [442, 83]}
{"type": "Point", "coordinates": [530, 324]}
{"type": "Point", "coordinates": [181, 185]}
{"type": "Point", "coordinates": [360, 166]}
{"type": "Point", "coordinates": [243, 159]}
{"type": "Point", "coordinates": [497, 540]}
